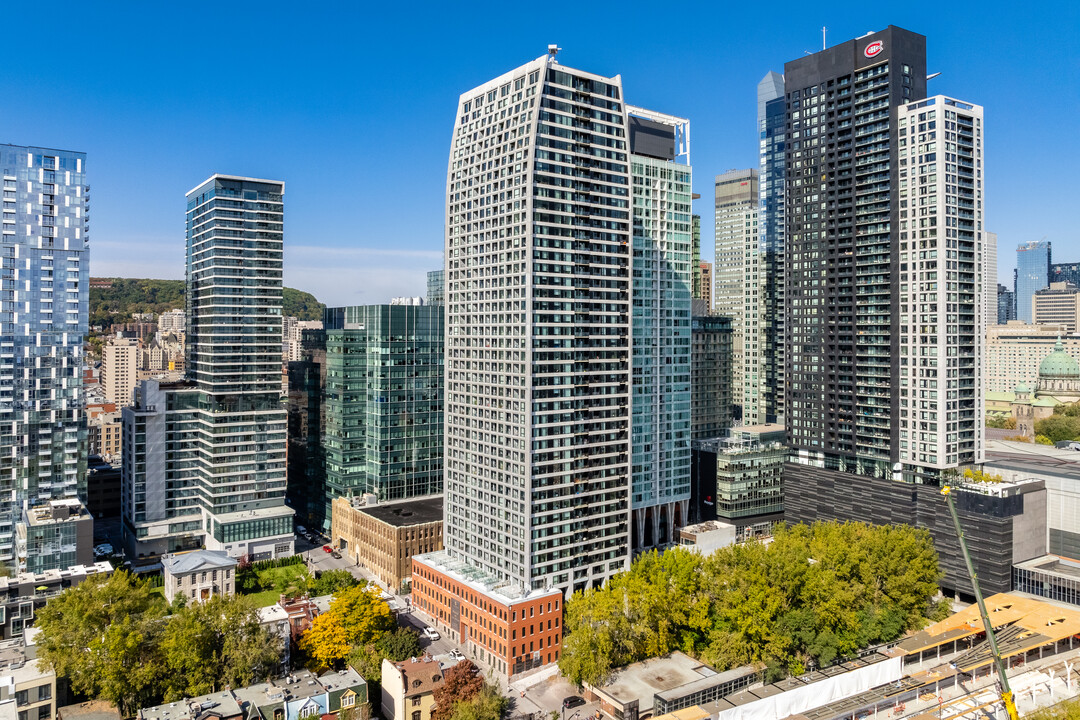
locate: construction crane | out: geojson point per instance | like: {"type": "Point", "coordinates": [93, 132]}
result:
{"type": "Point", "coordinates": [1006, 691]}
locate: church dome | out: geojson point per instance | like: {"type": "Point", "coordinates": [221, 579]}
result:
{"type": "Point", "coordinates": [1059, 364]}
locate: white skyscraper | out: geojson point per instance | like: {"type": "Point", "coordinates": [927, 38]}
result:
{"type": "Point", "coordinates": [941, 301]}
{"type": "Point", "coordinates": [538, 318]}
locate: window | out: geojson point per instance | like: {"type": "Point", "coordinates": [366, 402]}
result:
{"type": "Point", "coordinates": [348, 700]}
{"type": "Point", "coordinates": [416, 700]}
{"type": "Point", "coordinates": [45, 712]}
{"type": "Point", "coordinates": [44, 692]}
{"type": "Point", "coordinates": [416, 715]}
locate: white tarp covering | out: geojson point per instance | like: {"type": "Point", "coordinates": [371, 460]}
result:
{"type": "Point", "coordinates": [817, 694]}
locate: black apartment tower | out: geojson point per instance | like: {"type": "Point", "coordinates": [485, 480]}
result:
{"type": "Point", "coordinates": [841, 334]}
{"type": "Point", "coordinates": [884, 293]}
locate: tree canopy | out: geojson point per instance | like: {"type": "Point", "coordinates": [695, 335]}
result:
{"type": "Point", "coordinates": [813, 595]}
{"type": "Point", "coordinates": [1064, 424]}
{"type": "Point", "coordinates": [461, 683]}
{"type": "Point", "coordinates": [126, 296]}
{"type": "Point", "coordinates": [357, 617]}
{"type": "Point", "coordinates": [110, 637]}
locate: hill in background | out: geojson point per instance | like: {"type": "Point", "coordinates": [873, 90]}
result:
{"type": "Point", "coordinates": [115, 300]}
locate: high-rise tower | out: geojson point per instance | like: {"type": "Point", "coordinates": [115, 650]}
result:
{"type": "Point", "coordinates": [43, 321]}
{"type": "Point", "coordinates": [204, 459]}
{"type": "Point", "coordinates": [559, 424]}
{"type": "Point", "coordinates": [1033, 262]}
{"type": "Point", "coordinates": [772, 110]}
{"type": "Point", "coordinates": [663, 281]}
{"type": "Point", "coordinates": [884, 263]}
{"type": "Point", "coordinates": [538, 250]}
{"type": "Point", "coordinates": [735, 275]}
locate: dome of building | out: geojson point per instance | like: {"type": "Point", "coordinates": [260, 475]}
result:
{"type": "Point", "coordinates": [1021, 388]}
{"type": "Point", "coordinates": [1059, 364]}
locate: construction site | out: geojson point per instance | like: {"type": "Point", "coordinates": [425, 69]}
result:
{"type": "Point", "coordinates": [945, 671]}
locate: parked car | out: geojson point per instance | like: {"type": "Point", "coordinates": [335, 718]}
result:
{"type": "Point", "coordinates": [456, 654]}
{"type": "Point", "coordinates": [572, 702]}
{"type": "Point", "coordinates": [336, 555]}
{"type": "Point", "coordinates": [327, 549]}
{"type": "Point", "coordinates": [430, 633]}
{"type": "Point", "coordinates": [103, 549]}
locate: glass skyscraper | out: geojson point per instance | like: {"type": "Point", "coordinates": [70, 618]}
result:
{"type": "Point", "coordinates": [204, 460]}
{"type": "Point", "coordinates": [772, 109]}
{"type": "Point", "coordinates": [1032, 275]}
{"type": "Point", "coordinates": [436, 287]}
{"type": "Point", "coordinates": [43, 322]}
{"type": "Point", "coordinates": [384, 401]}
{"type": "Point", "coordinates": [662, 284]}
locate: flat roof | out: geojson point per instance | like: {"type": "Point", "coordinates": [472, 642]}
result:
{"type": "Point", "coordinates": [501, 591]}
{"type": "Point", "coordinates": [1032, 459]}
{"type": "Point", "coordinates": [707, 526]}
{"type": "Point", "coordinates": [709, 681]}
{"type": "Point", "coordinates": [242, 178]}
{"type": "Point", "coordinates": [762, 428]}
{"type": "Point", "coordinates": [407, 512]}
{"type": "Point", "coordinates": [1053, 565]}
{"type": "Point", "coordinates": [643, 680]}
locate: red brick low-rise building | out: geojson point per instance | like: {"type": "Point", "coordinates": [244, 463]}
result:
{"type": "Point", "coordinates": [504, 627]}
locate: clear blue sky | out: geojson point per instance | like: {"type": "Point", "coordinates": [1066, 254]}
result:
{"type": "Point", "coordinates": [352, 105]}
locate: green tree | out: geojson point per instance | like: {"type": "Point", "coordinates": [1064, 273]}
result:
{"type": "Point", "coordinates": [247, 580]}
{"type": "Point", "coordinates": [1058, 427]}
{"type": "Point", "coordinates": [367, 661]}
{"type": "Point", "coordinates": [814, 595]}
{"type": "Point", "coordinates": [216, 643]}
{"type": "Point", "coordinates": [102, 635]}
{"type": "Point", "coordinates": [489, 704]}
{"type": "Point", "coordinates": [331, 582]}
{"type": "Point", "coordinates": [401, 644]}
{"type": "Point", "coordinates": [461, 684]}
{"type": "Point", "coordinates": [249, 651]}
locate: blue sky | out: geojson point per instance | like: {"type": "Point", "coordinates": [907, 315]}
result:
{"type": "Point", "coordinates": [352, 105]}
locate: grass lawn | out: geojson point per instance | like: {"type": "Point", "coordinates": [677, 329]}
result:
{"type": "Point", "coordinates": [276, 581]}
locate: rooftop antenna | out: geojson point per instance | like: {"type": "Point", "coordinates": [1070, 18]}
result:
{"type": "Point", "coordinates": [823, 46]}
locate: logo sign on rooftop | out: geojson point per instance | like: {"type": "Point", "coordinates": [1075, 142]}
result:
{"type": "Point", "coordinates": [874, 48]}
